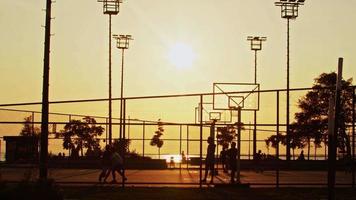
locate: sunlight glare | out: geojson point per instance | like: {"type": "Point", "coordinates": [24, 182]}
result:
{"type": "Point", "coordinates": [181, 55]}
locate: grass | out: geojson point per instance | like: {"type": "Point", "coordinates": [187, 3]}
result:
{"type": "Point", "coordinates": [111, 193]}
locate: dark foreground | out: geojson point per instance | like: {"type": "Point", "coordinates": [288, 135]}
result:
{"type": "Point", "coordinates": [206, 193]}
{"type": "Point", "coordinates": [135, 193]}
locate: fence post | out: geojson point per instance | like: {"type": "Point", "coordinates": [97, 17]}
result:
{"type": "Point", "coordinates": [143, 138]}
{"type": "Point", "coordinates": [353, 137]}
{"type": "Point", "coordinates": [106, 131]}
{"type": "Point", "coordinates": [333, 130]}
{"type": "Point", "coordinates": [277, 148]}
{"type": "Point", "coordinates": [180, 147]}
{"type": "Point", "coordinates": [238, 144]}
{"type": "Point", "coordinates": [124, 141]}
{"type": "Point", "coordinates": [33, 122]}
{"type": "Point", "coordinates": [187, 147]}
{"type": "Point", "coordinates": [201, 142]}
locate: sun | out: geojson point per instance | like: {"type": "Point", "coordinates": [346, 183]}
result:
{"type": "Point", "coordinates": [181, 55]}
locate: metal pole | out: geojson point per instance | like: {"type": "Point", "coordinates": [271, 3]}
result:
{"type": "Point", "coordinates": [180, 146]}
{"type": "Point", "coordinates": [124, 140]}
{"type": "Point", "coordinates": [333, 135]}
{"type": "Point", "coordinates": [277, 148]}
{"type": "Point", "coordinates": [106, 131]}
{"type": "Point", "coordinates": [255, 66]}
{"type": "Point", "coordinates": [238, 144]}
{"type": "Point", "coordinates": [45, 93]}
{"type": "Point", "coordinates": [254, 133]}
{"type": "Point", "coordinates": [33, 122]}
{"type": "Point", "coordinates": [143, 138]}
{"type": "Point", "coordinates": [353, 137]}
{"type": "Point", "coordinates": [201, 142]}
{"type": "Point", "coordinates": [287, 120]}
{"type": "Point", "coordinates": [249, 141]}
{"type": "Point", "coordinates": [110, 94]}
{"type": "Point", "coordinates": [121, 90]}
{"type": "Point", "coordinates": [255, 114]}
{"type": "Point", "coordinates": [128, 131]}
{"type": "Point", "coordinates": [187, 146]}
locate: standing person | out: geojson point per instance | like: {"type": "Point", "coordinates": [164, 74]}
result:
{"type": "Point", "coordinates": [105, 163]}
{"type": "Point", "coordinates": [210, 159]}
{"type": "Point", "coordinates": [184, 157]}
{"type": "Point", "coordinates": [117, 165]}
{"type": "Point", "coordinates": [258, 158]}
{"type": "Point", "coordinates": [223, 156]}
{"type": "Point", "coordinates": [301, 156]}
{"type": "Point", "coordinates": [232, 154]}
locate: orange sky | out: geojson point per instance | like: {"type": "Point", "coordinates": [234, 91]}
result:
{"type": "Point", "coordinates": [215, 31]}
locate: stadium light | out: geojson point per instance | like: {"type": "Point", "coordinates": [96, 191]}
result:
{"type": "Point", "coordinates": [289, 10]}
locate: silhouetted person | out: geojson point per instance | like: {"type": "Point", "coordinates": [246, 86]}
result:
{"type": "Point", "coordinates": [210, 159]}
{"type": "Point", "coordinates": [301, 156]}
{"type": "Point", "coordinates": [184, 157]}
{"type": "Point", "coordinates": [117, 166]}
{"type": "Point", "coordinates": [223, 157]}
{"type": "Point", "coordinates": [232, 154]}
{"type": "Point", "coordinates": [171, 163]}
{"type": "Point", "coordinates": [105, 163]}
{"type": "Point", "coordinates": [257, 158]}
{"type": "Point", "coordinates": [75, 153]}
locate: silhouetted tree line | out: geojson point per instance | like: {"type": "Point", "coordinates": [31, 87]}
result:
{"type": "Point", "coordinates": [311, 122]}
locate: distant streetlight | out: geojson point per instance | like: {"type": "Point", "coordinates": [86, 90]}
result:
{"type": "Point", "coordinates": [289, 10]}
{"type": "Point", "coordinates": [256, 45]}
{"type": "Point", "coordinates": [110, 7]}
{"type": "Point", "coordinates": [123, 43]}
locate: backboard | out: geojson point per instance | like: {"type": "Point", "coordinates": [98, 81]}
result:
{"type": "Point", "coordinates": [230, 96]}
{"type": "Point", "coordinates": [209, 114]}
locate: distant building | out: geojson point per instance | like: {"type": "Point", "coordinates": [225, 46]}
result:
{"type": "Point", "coordinates": [23, 149]}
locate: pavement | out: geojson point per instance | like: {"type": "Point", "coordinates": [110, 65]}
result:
{"type": "Point", "coordinates": [177, 177]}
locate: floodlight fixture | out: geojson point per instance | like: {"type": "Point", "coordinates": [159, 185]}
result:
{"type": "Point", "coordinates": [122, 41]}
{"type": "Point", "coordinates": [289, 9]}
{"type": "Point", "coordinates": [256, 42]}
{"type": "Point", "coordinates": [256, 45]}
{"type": "Point", "coordinates": [111, 7]}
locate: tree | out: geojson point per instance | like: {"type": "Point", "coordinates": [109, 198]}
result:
{"type": "Point", "coordinates": [28, 128]}
{"type": "Point", "coordinates": [315, 108]}
{"type": "Point", "coordinates": [311, 123]}
{"type": "Point", "coordinates": [156, 139]}
{"type": "Point", "coordinates": [78, 135]}
{"type": "Point", "coordinates": [226, 135]}
{"type": "Point", "coordinates": [274, 140]}
{"type": "Point", "coordinates": [118, 144]}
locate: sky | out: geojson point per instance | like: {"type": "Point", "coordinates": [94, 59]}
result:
{"type": "Point", "coordinates": [212, 32]}
{"type": "Point", "coordinates": [215, 31]}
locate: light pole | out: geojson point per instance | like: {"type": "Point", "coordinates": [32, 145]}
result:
{"type": "Point", "coordinates": [122, 42]}
{"type": "Point", "coordinates": [256, 45]}
{"type": "Point", "coordinates": [289, 10]}
{"type": "Point", "coordinates": [110, 7]}
{"type": "Point", "coordinates": [43, 167]}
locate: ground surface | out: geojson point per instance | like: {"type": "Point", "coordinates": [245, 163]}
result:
{"type": "Point", "coordinates": [175, 177]}
{"type": "Point", "coordinates": [174, 184]}
{"type": "Point", "coordinates": [110, 193]}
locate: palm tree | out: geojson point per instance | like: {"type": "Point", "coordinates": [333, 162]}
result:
{"type": "Point", "coordinates": [156, 139]}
